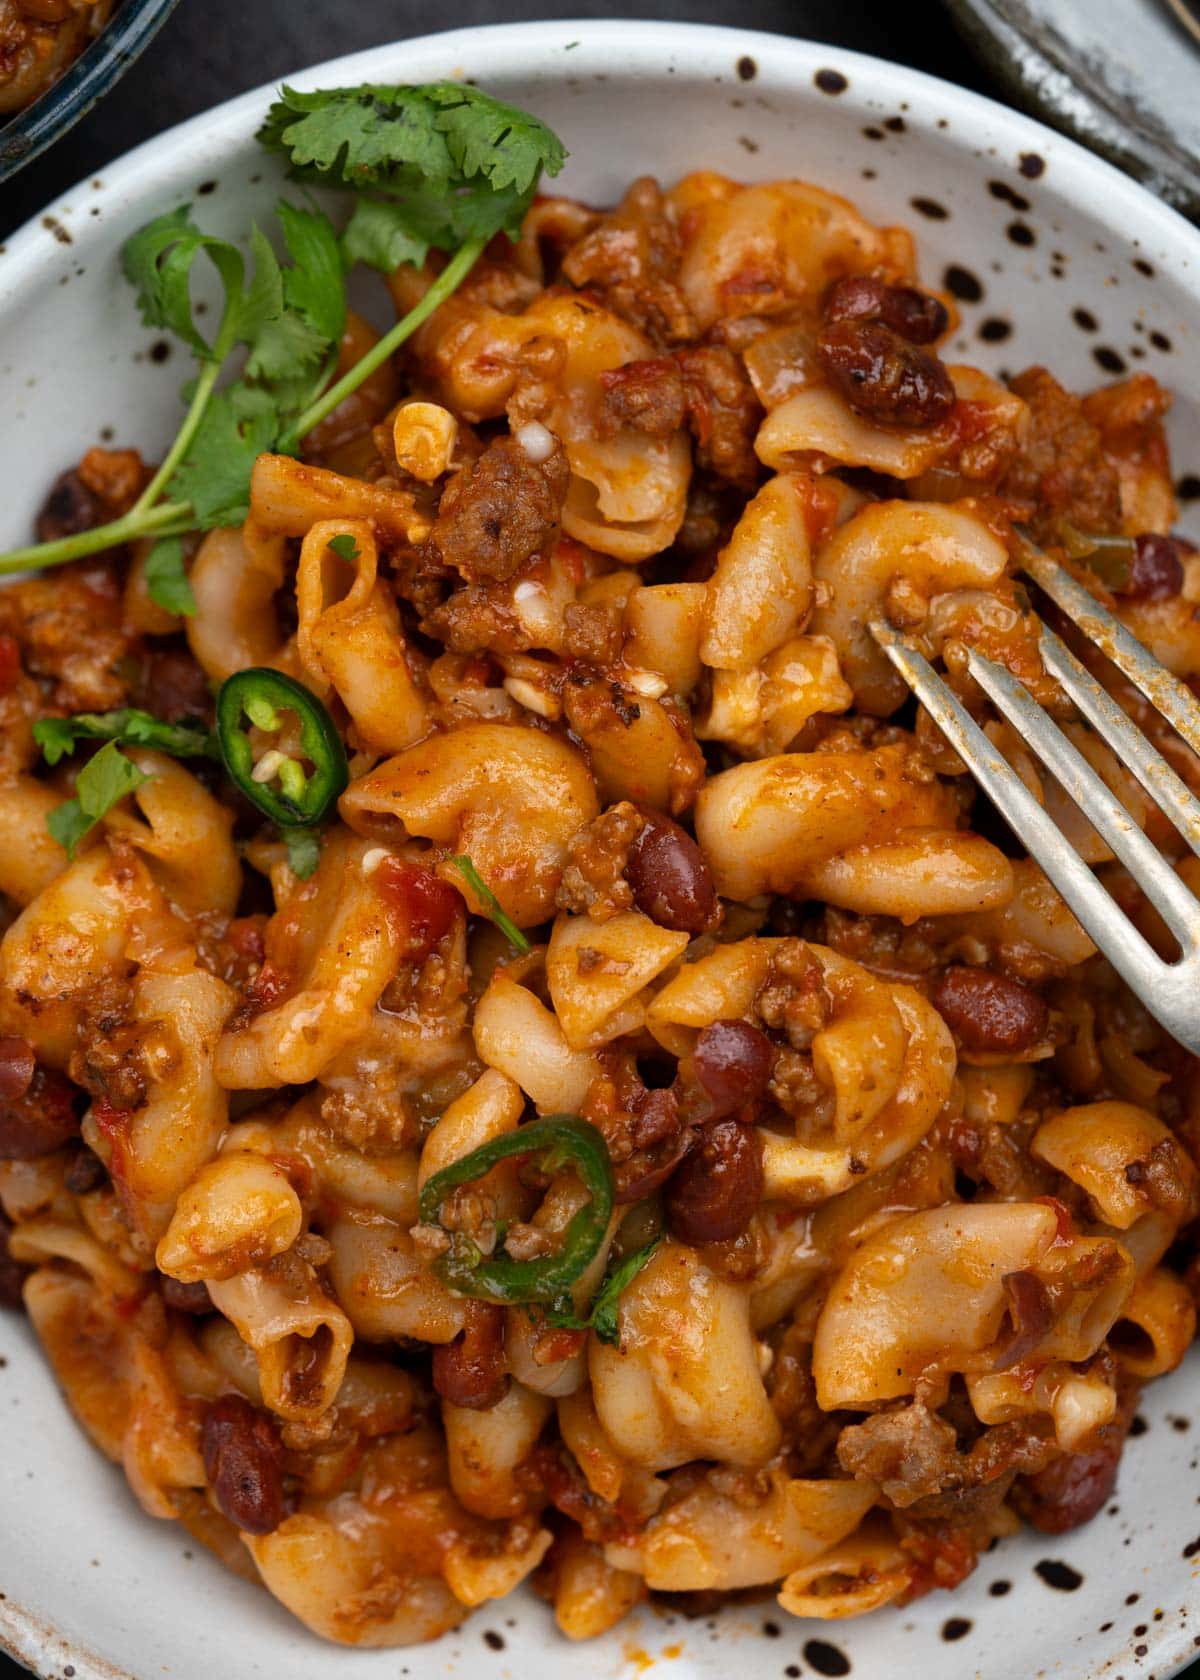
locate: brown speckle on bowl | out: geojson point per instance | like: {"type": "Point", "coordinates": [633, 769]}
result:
{"type": "Point", "coordinates": [493, 1640]}
{"type": "Point", "coordinates": [1000, 1589]}
{"type": "Point", "coordinates": [1008, 195]}
{"type": "Point", "coordinates": [747, 69]}
{"type": "Point", "coordinates": [831, 81]}
{"type": "Point", "coordinates": [962, 284]}
{"type": "Point", "coordinates": [1058, 1575]}
{"type": "Point", "coordinates": [1084, 319]}
{"type": "Point", "coordinates": [931, 208]}
{"type": "Point", "coordinates": [826, 1658]}
{"type": "Point", "coordinates": [956, 1627]}
{"type": "Point", "coordinates": [1144, 267]}
{"type": "Point", "coordinates": [1020, 233]}
{"type": "Point", "coordinates": [54, 226]}
{"type": "Point", "coordinates": [1160, 341]}
{"type": "Point", "coordinates": [995, 330]}
{"type": "Point", "coordinates": [1109, 359]}
{"type": "Point", "coordinates": [747, 145]}
{"type": "Point", "coordinates": [1188, 488]}
{"type": "Point", "coordinates": [206, 187]}
{"type": "Point", "coordinates": [1031, 165]}
{"type": "Point", "coordinates": [895, 125]}
{"type": "Point", "coordinates": [873, 133]}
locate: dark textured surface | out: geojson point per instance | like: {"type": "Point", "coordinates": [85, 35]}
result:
{"type": "Point", "coordinates": [211, 49]}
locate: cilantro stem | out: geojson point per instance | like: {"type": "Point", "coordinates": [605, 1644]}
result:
{"type": "Point", "coordinates": [448, 281]}
{"type": "Point", "coordinates": [191, 424]}
{"type": "Point", "coordinates": [171, 519]}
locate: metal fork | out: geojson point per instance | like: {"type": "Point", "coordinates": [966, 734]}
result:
{"type": "Point", "coordinates": [1170, 990]}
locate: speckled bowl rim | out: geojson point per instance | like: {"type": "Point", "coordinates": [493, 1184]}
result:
{"type": "Point", "coordinates": [641, 48]}
{"type": "Point", "coordinates": [94, 73]}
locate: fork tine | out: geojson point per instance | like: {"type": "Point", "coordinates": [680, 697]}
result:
{"type": "Point", "coordinates": [1107, 925]}
{"type": "Point", "coordinates": [1154, 875]}
{"type": "Point", "coordinates": [1174, 699]}
{"type": "Point", "coordinates": [1169, 792]}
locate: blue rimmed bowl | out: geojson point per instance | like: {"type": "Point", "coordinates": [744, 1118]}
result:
{"type": "Point", "coordinates": [94, 73]}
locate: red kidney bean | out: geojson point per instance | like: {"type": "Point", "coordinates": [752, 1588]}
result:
{"type": "Point", "coordinates": [69, 508]}
{"type": "Point", "coordinates": [660, 1137]}
{"type": "Point", "coordinates": [915, 315]}
{"type": "Point", "coordinates": [1156, 573]}
{"type": "Point", "coordinates": [1073, 1488]}
{"type": "Point", "coordinates": [649, 1169]}
{"type": "Point", "coordinates": [989, 1012]}
{"type": "Point", "coordinates": [718, 1186]}
{"type": "Point", "coordinates": [883, 378]}
{"type": "Point", "coordinates": [243, 1463]}
{"type": "Point", "coordinates": [41, 1119]}
{"type": "Point", "coordinates": [469, 1371]}
{"type": "Point", "coordinates": [672, 884]}
{"type": "Point", "coordinates": [86, 1172]}
{"type": "Point", "coordinates": [185, 1297]}
{"type": "Point", "coordinates": [733, 1061]}
{"type": "Point", "coordinates": [12, 1273]}
{"type": "Point", "coordinates": [16, 1067]}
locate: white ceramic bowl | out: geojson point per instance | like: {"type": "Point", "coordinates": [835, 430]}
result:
{"type": "Point", "coordinates": [87, 1584]}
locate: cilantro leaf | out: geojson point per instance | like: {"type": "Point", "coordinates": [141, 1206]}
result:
{"type": "Point", "coordinates": [68, 825]}
{"type": "Point", "coordinates": [607, 1305]}
{"type": "Point", "coordinates": [158, 261]}
{"type": "Point", "coordinates": [379, 234]}
{"type": "Point", "coordinates": [58, 737]}
{"type": "Point", "coordinates": [486, 137]}
{"type": "Point", "coordinates": [101, 784]}
{"type": "Point", "coordinates": [605, 1315]}
{"type": "Point", "coordinates": [453, 162]}
{"type": "Point", "coordinates": [167, 582]}
{"type": "Point", "coordinates": [284, 346]}
{"type": "Point", "coordinates": [343, 546]}
{"type": "Point", "coordinates": [491, 903]}
{"type": "Point", "coordinates": [359, 136]}
{"type": "Point", "coordinates": [303, 850]}
{"type": "Point", "coordinates": [214, 475]}
{"type": "Point", "coordinates": [315, 287]}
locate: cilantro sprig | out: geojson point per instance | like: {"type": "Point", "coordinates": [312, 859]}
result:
{"type": "Point", "coordinates": [436, 167]}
